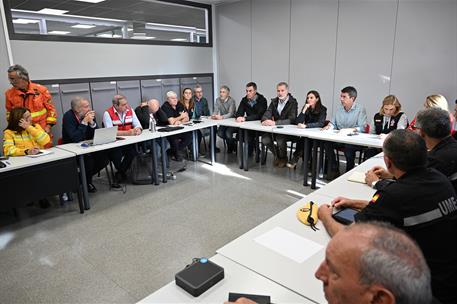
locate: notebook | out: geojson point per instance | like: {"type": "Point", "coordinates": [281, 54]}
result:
{"type": "Point", "coordinates": [358, 177]}
{"type": "Point", "coordinates": [41, 153]}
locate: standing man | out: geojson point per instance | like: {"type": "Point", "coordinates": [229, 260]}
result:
{"type": "Point", "coordinates": [177, 115]}
{"type": "Point", "coordinates": [122, 116]}
{"type": "Point", "coordinates": [252, 107]}
{"type": "Point", "coordinates": [350, 117]}
{"type": "Point", "coordinates": [79, 124]}
{"type": "Point", "coordinates": [282, 111]}
{"type": "Point", "coordinates": [32, 96]}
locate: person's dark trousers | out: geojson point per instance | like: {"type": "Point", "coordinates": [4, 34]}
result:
{"type": "Point", "coordinates": [251, 135]}
{"type": "Point", "coordinates": [226, 133]}
{"type": "Point", "coordinates": [370, 152]}
{"type": "Point", "coordinates": [122, 157]}
{"type": "Point", "coordinates": [179, 142]}
{"type": "Point", "coordinates": [95, 162]}
{"type": "Point", "coordinates": [349, 154]}
{"type": "Point", "coordinates": [299, 147]}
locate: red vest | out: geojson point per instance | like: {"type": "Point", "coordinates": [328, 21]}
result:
{"type": "Point", "coordinates": [121, 125]}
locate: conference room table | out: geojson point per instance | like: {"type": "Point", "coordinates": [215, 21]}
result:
{"type": "Point", "coordinates": [285, 250]}
{"type": "Point", "coordinates": [314, 135]}
{"type": "Point", "coordinates": [81, 150]}
{"type": "Point", "coordinates": [237, 279]}
{"type": "Point", "coordinates": [26, 178]}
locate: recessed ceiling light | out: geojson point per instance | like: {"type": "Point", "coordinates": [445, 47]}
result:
{"type": "Point", "coordinates": [91, 1]}
{"type": "Point", "coordinates": [179, 39]}
{"type": "Point", "coordinates": [130, 29]}
{"type": "Point", "coordinates": [25, 21]}
{"type": "Point", "coordinates": [83, 26]}
{"type": "Point", "coordinates": [58, 32]}
{"type": "Point", "coordinates": [143, 37]}
{"type": "Point", "coordinates": [51, 11]}
{"type": "Point", "coordinates": [109, 36]}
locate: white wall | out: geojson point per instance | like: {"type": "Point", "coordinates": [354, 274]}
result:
{"type": "Point", "coordinates": [59, 60]}
{"type": "Point", "coordinates": [402, 47]}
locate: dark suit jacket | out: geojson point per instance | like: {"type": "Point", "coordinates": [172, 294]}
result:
{"type": "Point", "coordinates": [73, 131]}
{"type": "Point", "coordinates": [288, 114]}
{"type": "Point", "coordinates": [252, 113]}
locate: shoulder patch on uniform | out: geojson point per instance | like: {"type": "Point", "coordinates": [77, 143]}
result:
{"type": "Point", "coordinates": [374, 198]}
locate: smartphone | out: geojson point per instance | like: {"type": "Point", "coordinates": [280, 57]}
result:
{"type": "Point", "coordinates": [4, 157]}
{"type": "Point", "coordinates": [279, 127]}
{"type": "Point", "coordinates": [345, 216]}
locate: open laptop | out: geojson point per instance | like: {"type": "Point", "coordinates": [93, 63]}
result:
{"type": "Point", "coordinates": [103, 136]}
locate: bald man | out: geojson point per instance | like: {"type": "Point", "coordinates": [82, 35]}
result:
{"type": "Point", "coordinates": [384, 266]}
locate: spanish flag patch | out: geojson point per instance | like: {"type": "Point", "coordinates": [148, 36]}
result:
{"type": "Point", "coordinates": [374, 198]}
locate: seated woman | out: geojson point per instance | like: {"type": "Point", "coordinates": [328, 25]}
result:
{"type": "Point", "coordinates": [225, 108]}
{"type": "Point", "coordinates": [388, 119]}
{"type": "Point", "coordinates": [188, 102]}
{"type": "Point", "coordinates": [21, 137]}
{"type": "Point", "coordinates": [312, 115]}
{"type": "Point", "coordinates": [435, 101]}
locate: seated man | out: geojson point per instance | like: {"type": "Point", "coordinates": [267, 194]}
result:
{"type": "Point", "coordinates": [282, 111]}
{"type": "Point", "coordinates": [176, 115]}
{"type": "Point", "coordinates": [151, 109]}
{"type": "Point", "coordinates": [422, 202]}
{"type": "Point", "coordinates": [122, 116]}
{"type": "Point", "coordinates": [384, 266]}
{"type": "Point", "coordinates": [434, 126]}
{"type": "Point", "coordinates": [251, 107]}
{"type": "Point", "coordinates": [223, 109]}
{"type": "Point", "coordinates": [351, 115]}
{"type": "Point", "coordinates": [200, 109]}
{"type": "Point", "coordinates": [79, 124]}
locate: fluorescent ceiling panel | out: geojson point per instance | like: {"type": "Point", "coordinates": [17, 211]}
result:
{"type": "Point", "coordinates": [83, 26]}
{"type": "Point", "coordinates": [51, 11]}
{"type": "Point", "coordinates": [58, 32]}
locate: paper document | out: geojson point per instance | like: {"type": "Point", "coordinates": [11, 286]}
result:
{"type": "Point", "coordinates": [289, 244]}
{"type": "Point", "coordinates": [41, 153]}
{"type": "Point", "coordinates": [358, 177]}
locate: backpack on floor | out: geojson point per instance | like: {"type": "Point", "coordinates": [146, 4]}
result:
{"type": "Point", "coordinates": [141, 169]}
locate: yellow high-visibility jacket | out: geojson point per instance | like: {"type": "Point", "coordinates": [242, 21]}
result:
{"type": "Point", "coordinates": [15, 143]}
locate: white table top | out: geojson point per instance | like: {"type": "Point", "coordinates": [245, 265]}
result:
{"type": "Point", "coordinates": [342, 187]}
{"type": "Point", "coordinates": [237, 279]}
{"type": "Point", "coordinates": [18, 162]}
{"type": "Point", "coordinates": [362, 139]}
{"type": "Point", "coordinates": [128, 140]}
{"type": "Point", "coordinates": [298, 277]}
{"type": "Point", "coordinates": [205, 123]}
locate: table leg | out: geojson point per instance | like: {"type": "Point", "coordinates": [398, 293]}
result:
{"type": "Point", "coordinates": [195, 145]}
{"type": "Point", "coordinates": [305, 161]}
{"type": "Point", "coordinates": [164, 160]}
{"type": "Point", "coordinates": [240, 147]}
{"type": "Point", "coordinates": [154, 174]}
{"type": "Point", "coordinates": [80, 200]}
{"type": "Point", "coordinates": [246, 151]}
{"type": "Point", "coordinates": [313, 165]}
{"type": "Point", "coordinates": [82, 168]}
{"type": "Point", "coordinates": [212, 142]}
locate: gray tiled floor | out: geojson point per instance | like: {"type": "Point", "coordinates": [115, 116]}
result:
{"type": "Point", "coordinates": [129, 245]}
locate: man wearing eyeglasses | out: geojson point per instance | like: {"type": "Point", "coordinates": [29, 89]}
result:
{"type": "Point", "coordinates": [32, 96]}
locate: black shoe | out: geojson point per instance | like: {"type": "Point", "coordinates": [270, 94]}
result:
{"type": "Point", "coordinates": [44, 203]}
{"type": "Point", "coordinates": [91, 188]}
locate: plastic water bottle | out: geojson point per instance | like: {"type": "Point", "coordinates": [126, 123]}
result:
{"type": "Point", "coordinates": [152, 123]}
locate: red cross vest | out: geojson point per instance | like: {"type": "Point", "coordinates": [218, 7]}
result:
{"type": "Point", "coordinates": [116, 119]}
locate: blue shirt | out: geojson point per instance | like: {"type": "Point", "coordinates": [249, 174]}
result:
{"type": "Point", "coordinates": [356, 117]}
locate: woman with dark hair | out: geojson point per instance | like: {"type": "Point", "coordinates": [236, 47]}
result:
{"type": "Point", "coordinates": [312, 115]}
{"type": "Point", "coordinates": [188, 102]}
{"type": "Point", "coordinates": [21, 136]}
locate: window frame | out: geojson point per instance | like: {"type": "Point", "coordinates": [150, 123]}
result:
{"type": "Point", "coordinates": [58, 38]}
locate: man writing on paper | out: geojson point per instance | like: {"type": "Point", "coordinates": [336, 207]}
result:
{"type": "Point", "coordinates": [422, 202]}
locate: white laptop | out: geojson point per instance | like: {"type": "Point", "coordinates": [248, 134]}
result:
{"type": "Point", "coordinates": [103, 136]}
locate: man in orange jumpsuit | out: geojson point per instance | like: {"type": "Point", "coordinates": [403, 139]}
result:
{"type": "Point", "coordinates": [33, 96]}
